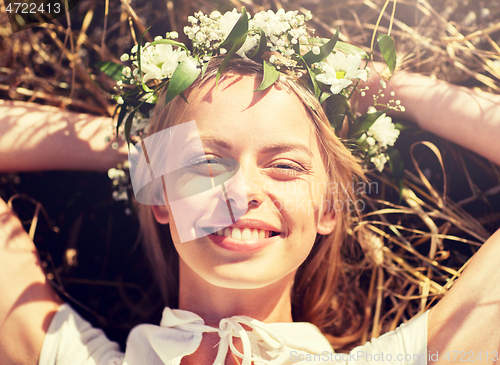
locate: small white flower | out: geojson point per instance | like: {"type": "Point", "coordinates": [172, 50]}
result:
{"type": "Point", "coordinates": [384, 131]}
{"type": "Point", "coordinates": [272, 59]}
{"type": "Point", "coordinates": [119, 83]}
{"type": "Point", "coordinates": [134, 49]}
{"type": "Point", "coordinates": [370, 141]}
{"type": "Point", "coordinates": [200, 37]}
{"type": "Point", "coordinates": [120, 100]}
{"type": "Point", "coordinates": [127, 72]}
{"type": "Point", "coordinates": [158, 38]}
{"type": "Point", "coordinates": [339, 71]}
{"type": "Point", "coordinates": [379, 161]}
{"type": "Point", "coordinates": [222, 50]}
{"type": "Point", "coordinates": [122, 195]}
{"type": "Point", "coordinates": [172, 35]}
{"type": "Point", "coordinates": [125, 57]}
{"type": "Point", "coordinates": [316, 50]}
{"type": "Point", "coordinates": [215, 15]}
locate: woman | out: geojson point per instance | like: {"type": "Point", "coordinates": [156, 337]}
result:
{"type": "Point", "coordinates": [221, 278]}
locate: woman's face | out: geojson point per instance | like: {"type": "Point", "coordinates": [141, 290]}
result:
{"type": "Point", "coordinates": [272, 137]}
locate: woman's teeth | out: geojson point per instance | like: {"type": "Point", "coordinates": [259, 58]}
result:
{"type": "Point", "coordinates": [244, 234]}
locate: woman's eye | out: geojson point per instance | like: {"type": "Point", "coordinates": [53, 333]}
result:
{"type": "Point", "coordinates": [210, 166]}
{"type": "Point", "coordinates": [285, 169]}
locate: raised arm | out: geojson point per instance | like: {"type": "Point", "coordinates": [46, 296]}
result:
{"type": "Point", "coordinates": [467, 319]}
{"type": "Point", "coordinates": [467, 117]}
{"type": "Point", "coordinates": [36, 137]}
{"type": "Point", "coordinates": [27, 301]}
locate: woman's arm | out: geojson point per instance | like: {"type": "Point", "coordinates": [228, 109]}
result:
{"type": "Point", "coordinates": [467, 117]}
{"type": "Point", "coordinates": [467, 319]}
{"type": "Point", "coordinates": [37, 137]}
{"type": "Point", "coordinates": [27, 301]}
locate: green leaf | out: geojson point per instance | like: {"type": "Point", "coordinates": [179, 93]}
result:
{"type": "Point", "coordinates": [121, 116]}
{"type": "Point", "coordinates": [388, 49]}
{"type": "Point", "coordinates": [184, 75]}
{"type": "Point", "coordinates": [336, 106]}
{"type": "Point", "coordinates": [324, 51]}
{"type": "Point", "coordinates": [261, 48]}
{"type": "Point", "coordinates": [351, 49]}
{"type": "Point", "coordinates": [111, 69]}
{"type": "Point", "coordinates": [239, 29]}
{"type": "Point", "coordinates": [236, 46]}
{"type": "Point", "coordinates": [171, 42]}
{"type": "Point", "coordinates": [128, 126]}
{"type": "Point", "coordinates": [312, 75]}
{"type": "Point", "coordinates": [270, 76]}
{"type": "Point", "coordinates": [397, 168]}
{"type": "Point", "coordinates": [204, 68]}
{"type": "Point", "coordinates": [325, 95]}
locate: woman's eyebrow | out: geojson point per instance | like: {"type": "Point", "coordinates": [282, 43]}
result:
{"type": "Point", "coordinates": [286, 147]}
{"type": "Point", "coordinates": [274, 148]}
{"type": "Point", "coordinates": [214, 140]}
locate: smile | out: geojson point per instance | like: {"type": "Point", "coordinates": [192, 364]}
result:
{"type": "Point", "coordinates": [245, 234]}
{"type": "Point", "coordinates": [242, 239]}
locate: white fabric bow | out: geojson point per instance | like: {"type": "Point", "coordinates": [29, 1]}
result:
{"type": "Point", "coordinates": [229, 328]}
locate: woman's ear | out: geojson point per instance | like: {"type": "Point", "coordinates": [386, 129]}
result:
{"type": "Point", "coordinates": [161, 213]}
{"type": "Point", "coordinates": [326, 222]}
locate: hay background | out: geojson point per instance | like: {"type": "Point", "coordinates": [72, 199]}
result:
{"type": "Point", "coordinates": [88, 242]}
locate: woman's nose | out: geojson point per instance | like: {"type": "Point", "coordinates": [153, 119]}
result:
{"type": "Point", "coordinates": [246, 190]}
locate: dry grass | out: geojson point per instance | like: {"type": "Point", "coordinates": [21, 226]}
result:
{"type": "Point", "coordinates": [427, 238]}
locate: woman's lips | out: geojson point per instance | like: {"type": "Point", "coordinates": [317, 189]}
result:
{"type": "Point", "coordinates": [240, 239]}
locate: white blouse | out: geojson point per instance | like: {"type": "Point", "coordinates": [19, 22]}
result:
{"type": "Point", "coordinates": [73, 341]}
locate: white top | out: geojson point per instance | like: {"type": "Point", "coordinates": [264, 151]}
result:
{"type": "Point", "coordinates": [73, 341]}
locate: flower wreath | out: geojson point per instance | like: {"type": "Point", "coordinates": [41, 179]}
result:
{"type": "Point", "coordinates": [282, 43]}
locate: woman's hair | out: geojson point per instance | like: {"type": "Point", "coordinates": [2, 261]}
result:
{"type": "Point", "coordinates": [324, 292]}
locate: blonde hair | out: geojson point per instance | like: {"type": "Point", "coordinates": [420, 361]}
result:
{"type": "Point", "coordinates": [323, 293]}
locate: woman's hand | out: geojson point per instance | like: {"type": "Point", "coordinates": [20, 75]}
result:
{"type": "Point", "coordinates": [467, 117]}
{"type": "Point", "coordinates": [36, 137]}
{"type": "Point", "coordinates": [27, 301]}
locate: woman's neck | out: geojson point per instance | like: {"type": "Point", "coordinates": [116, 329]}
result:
{"type": "Point", "coordinates": [269, 304]}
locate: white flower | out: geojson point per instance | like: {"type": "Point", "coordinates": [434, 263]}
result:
{"type": "Point", "coordinates": [120, 195]}
{"type": "Point", "coordinates": [226, 25]}
{"type": "Point", "coordinates": [379, 161]}
{"type": "Point", "coordinates": [127, 72]}
{"type": "Point", "coordinates": [274, 23]}
{"type": "Point", "coordinates": [316, 50]}
{"type": "Point", "coordinates": [384, 131]}
{"type": "Point", "coordinates": [215, 15]}
{"type": "Point", "coordinates": [125, 57]}
{"type": "Point", "coordinates": [116, 174]}
{"type": "Point", "coordinates": [228, 21]}
{"type": "Point", "coordinates": [339, 71]}
{"type": "Point", "coordinates": [160, 61]}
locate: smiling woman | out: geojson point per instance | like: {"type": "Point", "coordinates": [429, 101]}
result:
{"type": "Point", "coordinates": [286, 180]}
{"type": "Point", "coordinates": [243, 230]}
